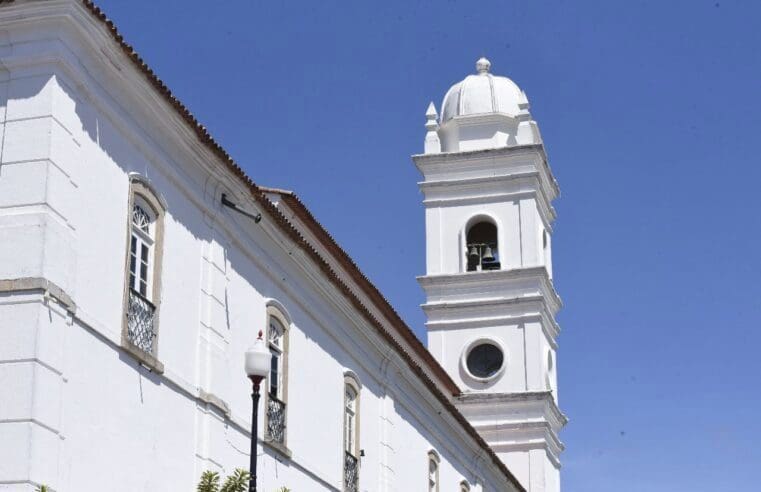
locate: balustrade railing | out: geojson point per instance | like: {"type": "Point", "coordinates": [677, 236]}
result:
{"type": "Point", "coordinates": [140, 317]}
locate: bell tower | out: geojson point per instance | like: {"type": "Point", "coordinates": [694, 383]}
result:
{"type": "Point", "coordinates": [490, 301]}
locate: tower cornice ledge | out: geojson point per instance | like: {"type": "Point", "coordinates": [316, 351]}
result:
{"type": "Point", "coordinates": [450, 164]}
{"type": "Point", "coordinates": [525, 396]}
{"type": "Point", "coordinates": [493, 186]}
{"type": "Point", "coordinates": [446, 316]}
{"type": "Point", "coordinates": [508, 421]}
{"type": "Point", "coordinates": [516, 283]}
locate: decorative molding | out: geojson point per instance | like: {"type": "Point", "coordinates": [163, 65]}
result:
{"type": "Point", "coordinates": [516, 421]}
{"type": "Point", "coordinates": [470, 286]}
{"type": "Point", "coordinates": [49, 289]}
{"type": "Point", "coordinates": [431, 165]}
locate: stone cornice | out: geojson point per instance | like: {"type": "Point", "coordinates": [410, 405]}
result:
{"type": "Point", "coordinates": [492, 312]}
{"type": "Point", "coordinates": [494, 188]}
{"type": "Point", "coordinates": [512, 421]}
{"type": "Point", "coordinates": [50, 290]}
{"type": "Point", "coordinates": [431, 165]}
{"type": "Point", "coordinates": [525, 396]}
{"type": "Point", "coordinates": [517, 283]}
{"type": "Point", "coordinates": [467, 154]}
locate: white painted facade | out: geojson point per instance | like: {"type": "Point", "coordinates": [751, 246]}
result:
{"type": "Point", "coordinates": [484, 166]}
{"type": "Point", "coordinates": [81, 411]}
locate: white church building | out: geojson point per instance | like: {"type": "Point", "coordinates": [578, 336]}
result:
{"type": "Point", "coordinates": [138, 262]}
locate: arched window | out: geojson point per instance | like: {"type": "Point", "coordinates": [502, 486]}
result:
{"type": "Point", "coordinates": [433, 471]}
{"type": "Point", "coordinates": [277, 340]}
{"type": "Point", "coordinates": [351, 433]}
{"type": "Point", "coordinates": [464, 486]}
{"type": "Point", "coordinates": [143, 287]}
{"type": "Point", "coordinates": [141, 251]}
{"type": "Point", "coordinates": [481, 244]}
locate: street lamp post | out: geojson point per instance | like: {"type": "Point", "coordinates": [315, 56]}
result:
{"type": "Point", "coordinates": [257, 364]}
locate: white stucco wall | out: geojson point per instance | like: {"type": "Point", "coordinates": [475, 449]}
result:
{"type": "Point", "coordinates": [79, 411]}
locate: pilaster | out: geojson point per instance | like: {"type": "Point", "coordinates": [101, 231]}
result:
{"type": "Point", "coordinates": [38, 183]}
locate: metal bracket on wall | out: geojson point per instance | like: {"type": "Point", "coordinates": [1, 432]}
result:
{"type": "Point", "coordinates": [227, 203]}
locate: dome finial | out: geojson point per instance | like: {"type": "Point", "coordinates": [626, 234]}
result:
{"type": "Point", "coordinates": [483, 65]}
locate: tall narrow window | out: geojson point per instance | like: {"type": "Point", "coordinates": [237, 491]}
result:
{"type": "Point", "coordinates": [141, 247]}
{"type": "Point", "coordinates": [481, 243]}
{"type": "Point", "coordinates": [142, 294]}
{"type": "Point", "coordinates": [351, 435]}
{"type": "Point", "coordinates": [350, 411]}
{"type": "Point", "coordinates": [433, 472]}
{"type": "Point", "coordinates": [276, 394]}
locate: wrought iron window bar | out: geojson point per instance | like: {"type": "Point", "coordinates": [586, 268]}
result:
{"type": "Point", "coordinates": [140, 322]}
{"type": "Point", "coordinates": [351, 472]}
{"type": "Point", "coordinates": [275, 419]}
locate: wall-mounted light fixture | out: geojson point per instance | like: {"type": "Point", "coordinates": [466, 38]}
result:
{"type": "Point", "coordinates": [227, 203]}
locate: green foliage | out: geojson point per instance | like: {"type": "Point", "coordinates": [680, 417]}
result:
{"type": "Point", "coordinates": [209, 482]}
{"type": "Point", "coordinates": [283, 489]}
{"type": "Point", "coordinates": [237, 482]}
{"type": "Point", "coordinates": [42, 488]}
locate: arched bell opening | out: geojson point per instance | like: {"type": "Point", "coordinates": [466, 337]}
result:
{"type": "Point", "coordinates": [482, 247]}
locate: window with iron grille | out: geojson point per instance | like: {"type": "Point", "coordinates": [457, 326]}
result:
{"type": "Point", "coordinates": [142, 294]}
{"type": "Point", "coordinates": [140, 310]}
{"type": "Point", "coordinates": [276, 407]}
{"type": "Point", "coordinates": [351, 435]}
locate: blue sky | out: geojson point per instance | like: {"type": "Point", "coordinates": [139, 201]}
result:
{"type": "Point", "coordinates": [651, 115]}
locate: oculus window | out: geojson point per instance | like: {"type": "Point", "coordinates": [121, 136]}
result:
{"type": "Point", "coordinates": [485, 360]}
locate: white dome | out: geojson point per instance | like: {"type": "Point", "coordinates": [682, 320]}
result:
{"type": "Point", "coordinates": [483, 93]}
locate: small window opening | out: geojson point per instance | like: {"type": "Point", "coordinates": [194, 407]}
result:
{"type": "Point", "coordinates": [433, 473]}
{"type": "Point", "coordinates": [482, 247]}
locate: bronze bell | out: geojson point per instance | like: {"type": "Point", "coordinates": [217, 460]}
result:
{"type": "Point", "coordinates": [474, 253]}
{"type": "Point", "coordinates": [488, 255]}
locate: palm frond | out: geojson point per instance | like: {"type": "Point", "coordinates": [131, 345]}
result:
{"type": "Point", "coordinates": [237, 482]}
{"type": "Point", "coordinates": [209, 482]}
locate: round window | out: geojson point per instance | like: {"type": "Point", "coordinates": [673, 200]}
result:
{"type": "Point", "coordinates": [485, 360]}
